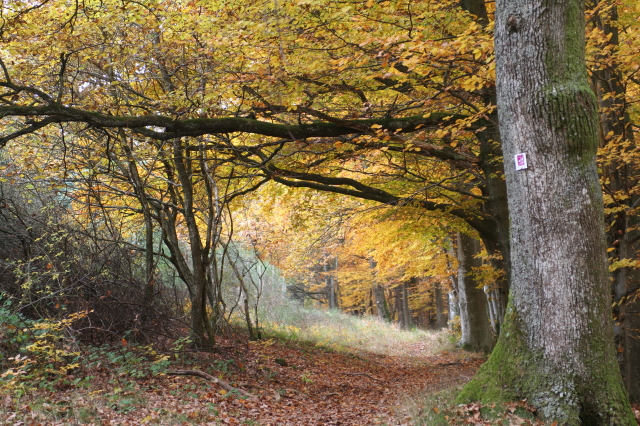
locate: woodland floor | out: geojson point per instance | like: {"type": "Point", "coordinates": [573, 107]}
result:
{"type": "Point", "coordinates": [316, 386]}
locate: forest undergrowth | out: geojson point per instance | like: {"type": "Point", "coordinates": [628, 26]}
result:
{"type": "Point", "coordinates": [296, 375]}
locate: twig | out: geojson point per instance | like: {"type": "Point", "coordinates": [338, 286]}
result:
{"type": "Point", "coordinates": [224, 385]}
{"type": "Point", "coordinates": [363, 374]}
{"type": "Point", "coordinates": [278, 395]}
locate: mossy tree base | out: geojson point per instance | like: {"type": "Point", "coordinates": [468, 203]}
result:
{"type": "Point", "coordinates": [592, 394]}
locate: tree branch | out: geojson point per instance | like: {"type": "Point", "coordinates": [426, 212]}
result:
{"type": "Point", "coordinates": [365, 192]}
{"type": "Point", "coordinates": [175, 128]}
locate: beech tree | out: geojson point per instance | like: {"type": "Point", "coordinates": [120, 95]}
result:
{"type": "Point", "coordinates": [556, 346]}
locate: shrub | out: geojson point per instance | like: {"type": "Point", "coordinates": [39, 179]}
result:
{"type": "Point", "coordinates": [35, 352]}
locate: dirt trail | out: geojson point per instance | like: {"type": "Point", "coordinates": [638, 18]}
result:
{"type": "Point", "coordinates": [320, 387]}
{"type": "Point", "coordinates": [295, 384]}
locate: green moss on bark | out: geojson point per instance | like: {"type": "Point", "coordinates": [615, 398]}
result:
{"type": "Point", "coordinates": [571, 110]}
{"type": "Point", "coordinates": [564, 56]}
{"type": "Point", "coordinates": [496, 380]}
{"type": "Point", "coordinates": [515, 372]}
{"type": "Point", "coordinates": [604, 400]}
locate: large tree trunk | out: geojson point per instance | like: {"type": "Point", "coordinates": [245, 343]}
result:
{"type": "Point", "coordinates": [474, 319]}
{"type": "Point", "coordinates": [556, 346]}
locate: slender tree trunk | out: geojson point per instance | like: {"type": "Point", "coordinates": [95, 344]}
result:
{"type": "Point", "coordinates": [474, 321]}
{"type": "Point", "coordinates": [378, 294]}
{"type": "Point", "coordinates": [331, 283]}
{"type": "Point", "coordinates": [334, 287]}
{"type": "Point", "coordinates": [631, 374]}
{"type": "Point", "coordinates": [454, 304]}
{"type": "Point", "coordinates": [441, 315]}
{"type": "Point", "coordinates": [616, 137]}
{"type": "Point", "coordinates": [201, 332]}
{"type": "Point", "coordinates": [454, 310]}
{"type": "Point", "coordinates": [140, 190]}
{"type": "Point", "coordinates": [244, 295]}
{"type": "Point", "coordinates": [401, 294]}
{"type": "Point", "coordinates": [556, 346]}
{"type": "Point", "coordinates": [406, 312]}
{"type": "Point", "coordinates": [381, 302]}
{"type": "Point", "coordinates": [494, 305]}
{"type": "Point", "coordinates": [399, 306]}
{"type": "Point", "coordinates": [495, 240]}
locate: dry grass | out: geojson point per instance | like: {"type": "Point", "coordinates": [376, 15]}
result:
{"type": "Point", "coordinates": [344, 332]}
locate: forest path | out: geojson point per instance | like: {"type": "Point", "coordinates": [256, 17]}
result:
{"type": "Point", "coordinates": [295, 383]}
{"type": "Point", "coordinates": [315, 386]}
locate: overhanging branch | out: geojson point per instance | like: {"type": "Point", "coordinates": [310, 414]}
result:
{"type": "Point", "coordinates": [161, 127]}
{"type": "Point", "coordinates": [365, 192]}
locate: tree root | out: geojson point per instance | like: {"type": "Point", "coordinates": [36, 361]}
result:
{"type": "Point", "coordinates": [224, 385]}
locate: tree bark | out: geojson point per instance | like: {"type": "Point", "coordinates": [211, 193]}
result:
{"type": "Point", "coordinates": [378, 294]}
{"type": "Point", "coordinates": [399, 307]}
{"type": "Point", "coordinates": [331, 281]}
{"type": "Point", "coordinates": [201, 332]}
{"type": "Point", "coordinates": [616, 136]}
{"type": "Point", "coordinates": [631, 374]}
{"type": "Point", "coordinates": [454, 302]}
{"type": "Point", "coordinates": [381, 302]}
{"type": "Point", "coordinates": [556, 346]}
{"type": "Point", "coordinates": [477, 8]}
{"type": "Point", "coordinates": [454, 311]}
{"type": "Point", "coordinates": [406, 312]}
{"type": "Point", "coordinates": [474, 321]}
{"type": "Point", "coordinates": [132, 174]}
{"type": "Point", "coordinates": [441, 316]}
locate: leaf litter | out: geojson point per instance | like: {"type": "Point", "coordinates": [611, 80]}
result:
{"type": "Point", "coordinates": [295, 383]}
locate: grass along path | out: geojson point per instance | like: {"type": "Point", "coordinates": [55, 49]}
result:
{"type": "Point", "coordinates": [296, 383]}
